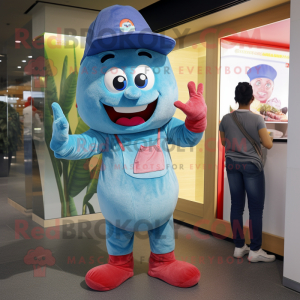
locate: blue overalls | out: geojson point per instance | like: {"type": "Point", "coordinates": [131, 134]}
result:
{"type": "Point", "coordinates": [132, 200]}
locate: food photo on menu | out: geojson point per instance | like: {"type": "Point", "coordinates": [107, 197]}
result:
{"type": "Point", "coordinates": [262, 78]}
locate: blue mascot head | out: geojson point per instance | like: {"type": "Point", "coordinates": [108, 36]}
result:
{"type": "Point", "coordinates": [125, 83]}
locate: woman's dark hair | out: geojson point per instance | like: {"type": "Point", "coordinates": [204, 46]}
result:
{"type": "Point", "coordinates": [243, 93]}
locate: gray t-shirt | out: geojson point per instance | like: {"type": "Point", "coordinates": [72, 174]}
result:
{"type": "Point", "coordinates": [237, 147]}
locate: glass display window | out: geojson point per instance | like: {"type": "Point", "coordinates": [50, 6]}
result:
{"type": "Point", "coordinates": [189, 64]}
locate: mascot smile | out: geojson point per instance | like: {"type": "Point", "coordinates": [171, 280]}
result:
{"type": "Point", "coordinates": [127, 94]}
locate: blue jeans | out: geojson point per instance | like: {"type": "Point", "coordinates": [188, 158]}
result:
{"type": "Point", "coordinates": [245, 177]}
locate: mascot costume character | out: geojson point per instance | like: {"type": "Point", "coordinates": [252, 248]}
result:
{"type": "Point", "coordinates": [127, 95]}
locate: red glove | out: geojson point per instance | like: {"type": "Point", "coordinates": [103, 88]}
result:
{"type": "Point", "coordinates": [195, 109]}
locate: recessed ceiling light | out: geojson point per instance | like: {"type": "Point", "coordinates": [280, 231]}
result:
{"type": "Point", "coordinates": [18, 42]}
{"type": "Point", "coordinates": [19, 67]}
{"type": "Point", "coordinates": [29, 56]}
{"type": "Point", "coordinates": [0, 60]}
{"type": "Point", "coordinates": [23, 60]}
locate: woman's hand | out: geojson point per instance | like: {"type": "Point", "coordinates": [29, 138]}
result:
{"type": "Point", "coordinates": [265, 138]}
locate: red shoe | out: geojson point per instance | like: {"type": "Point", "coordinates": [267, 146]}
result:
{"type": "Point", "coordinates": [172, 271]}
{"type": "Point", "coordinates": [109, 276]}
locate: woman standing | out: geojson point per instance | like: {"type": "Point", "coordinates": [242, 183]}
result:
{"type": "Point", "coordinates": [245, 172]}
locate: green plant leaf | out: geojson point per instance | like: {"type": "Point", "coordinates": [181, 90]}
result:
{"type": "Point", "coordinates": [64, 74]}
{"type": "Point", "coordinates": [68, 94]}
{"type": "Point", "coordinates": [92, 187]}
{"type": "Point", "coordinates": [58, 182]}
{"type": "Point", "coordinates": [79, 177]}
{"type": "Point", "coordinates": [81, 127]}
{"type": "Point", "coordinates": [50, 90]}
{"type": "Point", "coordinates": [75, 63]}
{"type": "Point", "coordinates": [65, 169]}
{"type": "Point", "coordinates": [73, 210]}
{"type": "Point", "coordinates": [91, 208]}
{"type": "Point", "coordinates": [48, 120]}
{"type": "Point", "coordinates": [59, 166]}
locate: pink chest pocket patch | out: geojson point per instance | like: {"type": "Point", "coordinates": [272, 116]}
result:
{"type": "Point", "coordinates": [148, 159]}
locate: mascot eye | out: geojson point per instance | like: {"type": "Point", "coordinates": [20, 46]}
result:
{"type": "Point", "coordinates": [120, 83]}
{"type": "Point", "coordinates": [141, 80]}
{"type": "Point", "coordinates": [115, 80]}
{"type": "Point", "coordinates": [144, 77]}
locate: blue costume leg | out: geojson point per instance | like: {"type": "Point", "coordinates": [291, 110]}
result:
{"type": "Point", "coordinates": [118, 241]}
{"type": "Point", "coordinates": [162, 239]}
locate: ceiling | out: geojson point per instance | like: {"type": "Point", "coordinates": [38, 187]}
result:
{"type": "Point", "coordinates": [223, 16]}
{"type": "Point", "coordinates": [12, 16]}
{"type": "Point", "coordinates": [276, 34]}
{"type": "Point", "coordinates": [12, 13]}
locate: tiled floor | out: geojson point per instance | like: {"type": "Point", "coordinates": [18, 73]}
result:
{"type": "Point", "coordinates": [222, 277]}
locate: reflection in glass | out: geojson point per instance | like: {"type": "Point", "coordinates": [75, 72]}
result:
{"type": "Point", "coordinates": [19, 121]}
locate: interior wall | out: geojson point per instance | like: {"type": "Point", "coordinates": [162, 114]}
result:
{"type": "Point", "coordinates": [292, 222]}
{"type": "Point", "coordinates": [38, 21]}
{"type": "Point", "coordinates": [60, 19]}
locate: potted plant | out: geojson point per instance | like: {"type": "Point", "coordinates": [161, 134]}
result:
{"type": "Point", "coordinates": [10, 136]}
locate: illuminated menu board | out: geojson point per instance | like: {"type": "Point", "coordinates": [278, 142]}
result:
{"type": "Point", "coordinates": [267, 70]}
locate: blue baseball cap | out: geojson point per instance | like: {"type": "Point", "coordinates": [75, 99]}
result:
{"type": "Point", "coordinates": [262, 71]}
{"type": "Point", "coordinates": [123, 27]}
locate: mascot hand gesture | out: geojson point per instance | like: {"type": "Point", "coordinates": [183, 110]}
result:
{"type": "Point", "coordinates": [60, 133]}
